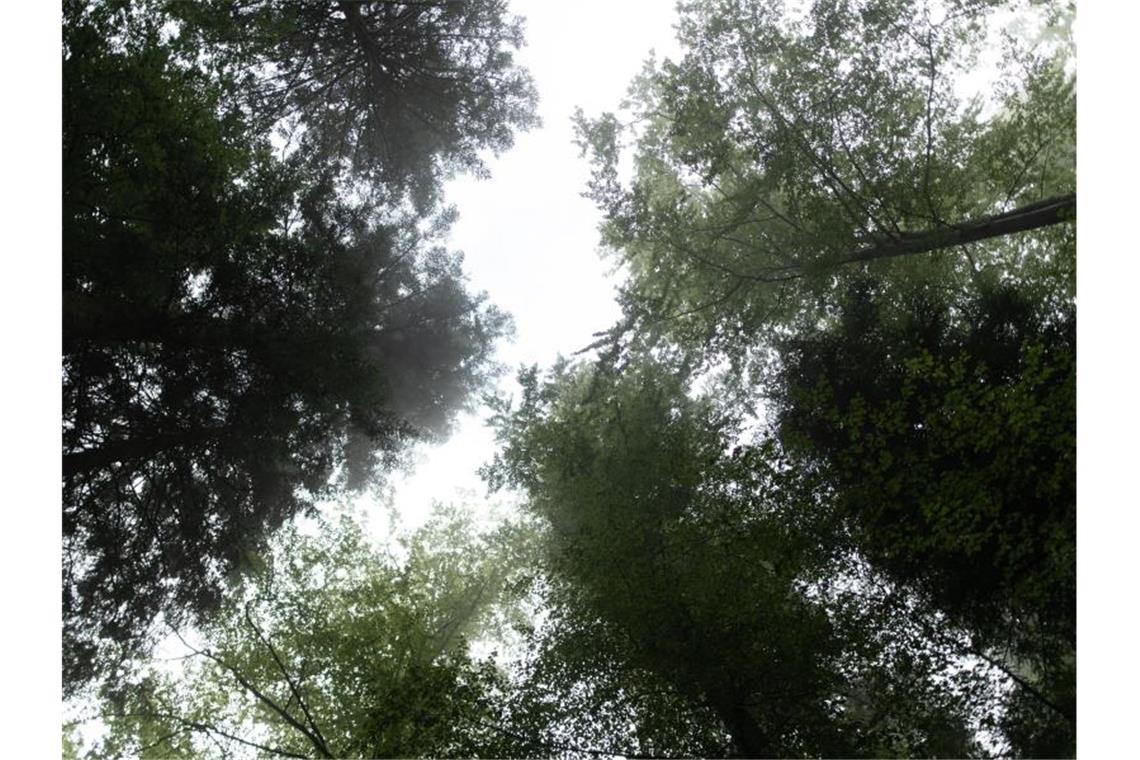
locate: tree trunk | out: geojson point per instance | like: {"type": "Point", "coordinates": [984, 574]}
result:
{"type": "Point", "coordinates": [1041, 214]}
{"type": "Point", "coordinates": [749, 739]}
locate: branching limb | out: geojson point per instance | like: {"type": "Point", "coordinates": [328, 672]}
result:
{"type": "Point", "coordinates": [316, 741]}
{"type": "Point", "coordinates": [294, 687]}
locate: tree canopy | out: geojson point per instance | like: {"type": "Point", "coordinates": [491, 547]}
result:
{"type": "Point", "coordinates": [814, 494]}
{"type": "Point", "coordinates": [718, 579]}
{"type": "Point", "coordinates": [394, 96]}
{"type": "Point", "coordinates": [243, 334]}
{"type": "Point", "coordinates": [817, 218]}
{"type": "Point", "coordinates": [784, 152]}
{"type": "Point", "coordinates": [952, 444]}
{"type": "Point", "coordinates": [332, 649]}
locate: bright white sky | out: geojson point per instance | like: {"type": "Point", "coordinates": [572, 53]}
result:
{"type": "Point", "coordinates": [529, 238]}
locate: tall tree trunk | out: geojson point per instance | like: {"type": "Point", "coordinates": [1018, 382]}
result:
{"type": "Point", "coordinates": [1033, 216]}
{"type": "Point", "coordinates": [748, 737]}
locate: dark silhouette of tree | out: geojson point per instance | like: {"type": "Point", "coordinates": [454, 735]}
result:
{"type": "Point", "coordinates": [948, 438]}
{"type": "Point", "coordinates": [241, 337]}
{"type": "Point", "coordinates": [397, 94]}
{"type": "Point", "coordinates": [710, 577]}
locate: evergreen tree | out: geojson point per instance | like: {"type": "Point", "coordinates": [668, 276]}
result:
{"type": "Point", "coordinates": [242, 336]}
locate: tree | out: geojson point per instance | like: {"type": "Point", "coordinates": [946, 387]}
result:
{"type": "Point", "coordinates": [707, 571]}
{"type": "Point", "coordinates": [332, 649]}
{"type": "Point", "coordinates": [241, 338]}
{"type": "Point", "coordinates": [583, 690]}
{"type": "Point", "coordinates": [949, 442]}
{"type": "Point", "coordinates": [889, 266]}
{"type": "Point", "coordinates": [396, 95]}
{"type": "Point", "coordinates": [784, 153]}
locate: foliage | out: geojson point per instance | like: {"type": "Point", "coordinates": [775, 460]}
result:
{"type": "Point", "coordinates": [820, 218]}
{"type": "Point", "coordinates": [399, 95]}
{"type": "Point", "coordinates": [784, 152]}
{"type": "Point", "coordinates": [705, 567]}
{"type": "Point", "coordinates": [948, 438]}
{"type": "Point", "coordinates": [582, 690]}
{"type": "Point", "coordinates": [241, 336]}
{"type": "Point", "coordinates": [333, 649]}
{"type": "Point", "coordinates": [820, 210]}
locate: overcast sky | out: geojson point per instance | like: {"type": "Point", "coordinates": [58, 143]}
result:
{"type": "Point", "coordinates": [529, 238]}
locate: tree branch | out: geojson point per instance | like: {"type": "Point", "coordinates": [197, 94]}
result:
{"type": "Point", "coordinates": [315, 740]}
{"type": "Point", "coordinates": [1032, 216]}
{"type": "Point", "coordinates": [293, 686]}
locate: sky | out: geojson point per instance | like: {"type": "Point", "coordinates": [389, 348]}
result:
{"type": "Point", "coordinates": [529, 239]}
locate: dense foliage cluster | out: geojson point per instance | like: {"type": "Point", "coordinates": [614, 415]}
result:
{"type": "Point", "coordinates": [243, 334]}
{"type": "Point", "coordinates": [335, 650]}
{"type": "Point", "coordinates": [814, 495]}
{"type": "Point", "coordinates": [950, 447]}
{"type": "Point", "coordinates": [717, 568]}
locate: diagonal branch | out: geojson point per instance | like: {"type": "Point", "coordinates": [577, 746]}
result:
{"type": "Point", "coordinates": [208, 730]}
{"type": "Point", "coordinates": [266, 700]}
{"type": "Point", "coordinates": [1026, 685]}
{"type": "Point", "coordinates": [836, 183]}
{"type": "Point", "coordinates": [293, 686]}
{"type": "Point", "coordinates": [1032, 216]}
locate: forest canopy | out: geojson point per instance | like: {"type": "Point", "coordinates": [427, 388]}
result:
{"type": "Point", "coordinates": [244, 332]}
{"type": "Point", "coordinates": [814, 494]}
